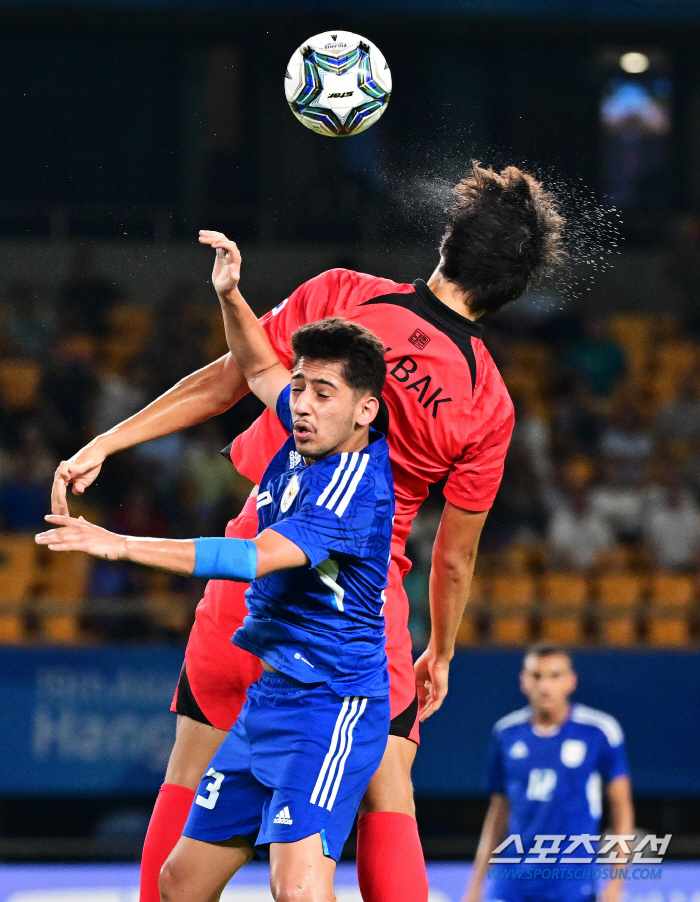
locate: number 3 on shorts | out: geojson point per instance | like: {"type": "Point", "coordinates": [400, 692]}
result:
{"type": "Point", "coordinates": [212, 788]}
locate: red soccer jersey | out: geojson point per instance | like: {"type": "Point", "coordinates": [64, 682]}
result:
{"type": "Point", "coordinates": [449, 411]}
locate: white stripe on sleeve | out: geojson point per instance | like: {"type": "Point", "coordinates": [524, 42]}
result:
{"type": "Point", "coordinates": [329, 488]}
{"type": "Point", "coordinates": [340, 510]}
{"type": "Point", "coordinates": [343, 482]}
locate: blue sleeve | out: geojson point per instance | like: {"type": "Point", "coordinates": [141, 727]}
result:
{"type": "Point", "coordinates": [613, 762]}
{"type": "Point", "coordinates": [339, 516]}
{"type": "Point", "coordinates": [496, 781]}
{"type": "Point", "coordinates": [284, 414]}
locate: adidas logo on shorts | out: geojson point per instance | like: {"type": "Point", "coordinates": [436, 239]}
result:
{"type": "Point", "coordinates": [283, 817]}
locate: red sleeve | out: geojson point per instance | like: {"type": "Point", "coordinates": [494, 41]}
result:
{"type": "Point", "coordinates": [474, 480]}
{"type": "Point", "coordinates": [312, 301]}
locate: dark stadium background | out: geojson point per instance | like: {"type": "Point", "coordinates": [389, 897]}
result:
{"type": "Point", "coordinates": [126, 127]}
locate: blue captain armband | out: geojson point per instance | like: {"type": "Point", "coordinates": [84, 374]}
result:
{"type": "Point", "coordinates": [220, 558]}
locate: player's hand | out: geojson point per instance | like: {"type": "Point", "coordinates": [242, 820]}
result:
{"type": "Point", "coordinates": [79, 535]}
{"type": "Point", "coordinates": [432, 676]}
{"type": "Point", "coordinates": [227, 265]}
{"type": "Point", "coordinates": [80, 471]}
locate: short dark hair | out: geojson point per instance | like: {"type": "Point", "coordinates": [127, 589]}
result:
{"type": "Point", "coordinates": [338, 340]}
{"type": "Point", "coordinates": [545, 649]}
{"type": "Point", "coordinates": [504, 236]}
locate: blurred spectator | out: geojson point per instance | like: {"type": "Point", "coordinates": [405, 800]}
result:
{"type": "Point", "coordinates": [216, 486]}
{"type": "Point", "coordinates": [680, 419]}
{"type": "Point", "coordinates": [577, 535]}
{"type": "Point", "coordinates": [532, 433]}
{"type": "Point", "coordinates": [29, 324]}
{"type": "Point", "coordinates": [119, 396]}
{"type": "Point", "coordinates": [176, 347]}
{"type": "Point", "coordinates": [628, 442]}
{"type": "Point", "coordinates": [25, 490]}
{"type": "Point", "coordinates": [68, 391]}
{"type": "Point", "coordinates": [597, 357]}
{"type": "Point", "coordinates": [672, 527]}
{"type": "Point", "coordinates": [87, 297]}
{"type": "Point", "coordinates": [619, 504]}
{"type": "Point", "coordinates": [577, 425]}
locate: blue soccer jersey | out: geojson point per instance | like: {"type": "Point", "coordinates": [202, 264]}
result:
{"type": "Point", "coordinates": [324, 623]}
{"type": "Point", "coordinates": [554, 783]}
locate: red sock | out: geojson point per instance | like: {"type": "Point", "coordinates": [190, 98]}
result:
{"type": "Point", "coordinates": [390, 863]}
{"type": "Point", "coordinates": [164, 829]}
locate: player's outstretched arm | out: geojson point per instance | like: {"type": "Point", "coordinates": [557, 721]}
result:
{"type": "Point", "coordinates": [492, 833]}
{"type": "Point", "coordinates": [246, 338]}
{"type": "Point", "coordinates": [199, 396]}
{"type": "Point", "coordinates": [454, 556]}
{"type": "Point", "coordinates": [212, 558]}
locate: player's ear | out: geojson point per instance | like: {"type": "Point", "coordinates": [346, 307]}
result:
{"type": "Point", "coordinates": [367, 410]}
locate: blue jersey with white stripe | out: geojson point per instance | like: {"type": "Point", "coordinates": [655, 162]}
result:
{"type": "Point", "coordinates": [324, 623]}
{"type": "Point", "coordinates": [554, 782]}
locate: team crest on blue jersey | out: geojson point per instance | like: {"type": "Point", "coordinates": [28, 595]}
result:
{"type": "Point", "coordinates": [573, 751]}
{"type": "Point", "coordinates": [519, 750]}
{"type": "Point", "coordinates": [290, 494]}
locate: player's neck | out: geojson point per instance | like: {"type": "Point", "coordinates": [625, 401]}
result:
{"type": "Point", "coordinates": [546, 720]}
{"type": "Point", "coordinates": [449, 294]}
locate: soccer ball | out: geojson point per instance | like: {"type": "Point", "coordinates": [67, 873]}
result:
{"type": "Point", "coordinates": [337, 83]}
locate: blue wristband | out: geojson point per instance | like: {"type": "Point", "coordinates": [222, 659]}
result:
{"type": "Point", "coordinates": [220, 558]}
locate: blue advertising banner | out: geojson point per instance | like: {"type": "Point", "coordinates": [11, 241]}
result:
{"type": "Point", "coordinates": [96, 721]}
{"type": "Point", "coordinates": [655, 695]}
{"type": "Point", "coordinates": [86, 721]}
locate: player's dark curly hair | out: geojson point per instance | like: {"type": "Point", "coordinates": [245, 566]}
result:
{"type": "Point", "coordinates": [359, 350]}
{"type": "Point", "coordinates": [504, 236]}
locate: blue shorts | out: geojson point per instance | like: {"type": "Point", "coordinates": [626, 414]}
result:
{"type": "Point", "coordinates": [296, 762]}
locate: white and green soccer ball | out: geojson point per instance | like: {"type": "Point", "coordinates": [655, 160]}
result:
{"type": "Point", "coordinates": [337, 83]}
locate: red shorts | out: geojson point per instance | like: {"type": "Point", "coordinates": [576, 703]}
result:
{"type": "Point", "coordinates": [216, 673]}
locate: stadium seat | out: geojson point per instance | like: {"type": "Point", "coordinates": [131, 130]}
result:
{"type": "Point", "coordinates": [19, 383]}
{"type": "Point", "coordinates": [668, 617]}
{"type": "Point", "coordinates": [619, 590]}
{"type": "Point", "coordinates": [667, 629]}
{"type": "Point", "coordinates": [512, 599]}
{"type": "Point", "coordinates": [618, 628]}
{"type": "Point", "coordinates": [672, 589]}
{"type": "Point", "coordinates": [619, 595]}
{"type": "Point", "coordinates": [564, 597]}
{"type": "Point", "coordinates": [468, 630]}
{"type": "Point", "coordinates": [62, 585]}
{"type": "Point", "coordinates": [166, 608]}
{"type": "Point", "coordinates": [634, 333]}
{"type": "Point", "coordinates": [17, 576]}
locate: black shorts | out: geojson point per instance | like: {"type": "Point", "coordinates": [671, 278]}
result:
{"type": "Point", "coordinates": [186, 704]}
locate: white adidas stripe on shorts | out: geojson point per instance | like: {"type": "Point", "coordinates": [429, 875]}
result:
{"type": "Point", "coordinates": [331, 773]}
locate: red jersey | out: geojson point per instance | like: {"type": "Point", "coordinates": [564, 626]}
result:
{"type": "Point", "coordinates": [449, 411]}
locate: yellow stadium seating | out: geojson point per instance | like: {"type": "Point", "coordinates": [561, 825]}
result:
{"type": "Point", "coordinates": [62, 585]}
{"type": "Point", "coordinates": [667, 629]}
{"type": "Point", "coordinates": [512, 603]}
{"type": "Point", "coordinates": [17, 576]}
{"type": "Point", "coordinates": [564, 597]}
{"type": "Point", "coordinates": [19, 383]}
